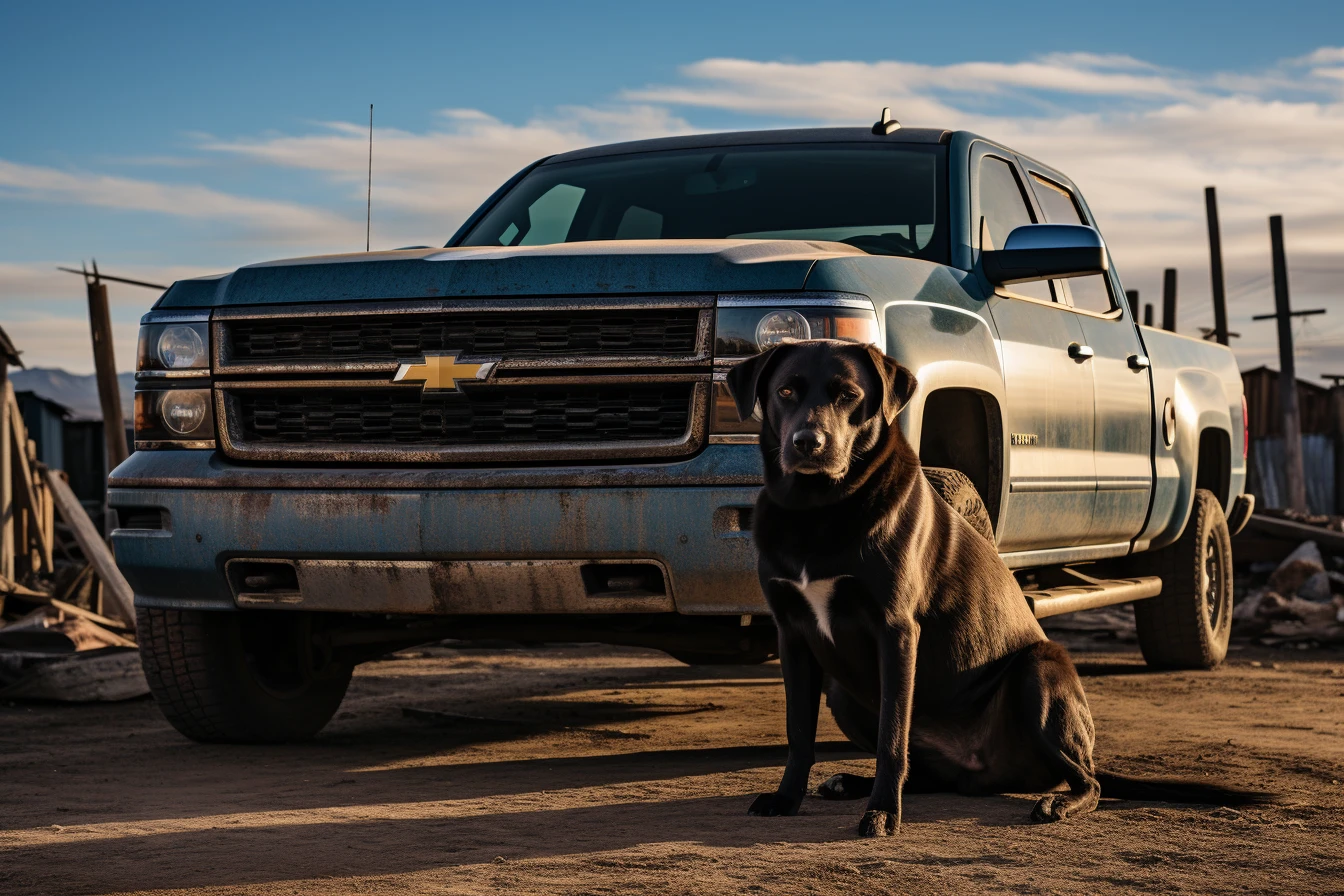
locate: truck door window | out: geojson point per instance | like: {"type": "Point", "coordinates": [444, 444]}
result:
{"type": "Point", "coordinates": [1003, 206]}
{"type": "Point", "coordinates": [1089, 293]}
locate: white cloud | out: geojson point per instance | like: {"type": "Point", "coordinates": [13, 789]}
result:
{"type": "Point", "coordinates": [261, 218]}
{"type": "Point", "coordinates": [1141, 140]}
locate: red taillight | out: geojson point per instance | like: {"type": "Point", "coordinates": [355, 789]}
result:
{"type": "Point", "coordinates": [1245, 430]}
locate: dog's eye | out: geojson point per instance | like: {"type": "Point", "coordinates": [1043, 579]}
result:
{"type": "Point", "coordinates": [848, 396]}
{"type": "Point", "coordinates": [785, 392]}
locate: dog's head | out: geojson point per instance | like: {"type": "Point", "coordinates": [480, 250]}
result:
{"type": "Point", "coordinates": [824, 406]}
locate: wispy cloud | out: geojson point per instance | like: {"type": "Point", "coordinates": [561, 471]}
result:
{"type": "Point", "coordinates": [260, 218]}
{"type": "Point", "coordinates": [1141, 140]}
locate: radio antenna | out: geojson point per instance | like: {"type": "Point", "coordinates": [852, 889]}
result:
{"type": "Point", "coordinates": [368, 208]}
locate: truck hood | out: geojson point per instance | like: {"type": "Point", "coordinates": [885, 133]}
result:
{"type": "Point", "coordinates": [599, 267]}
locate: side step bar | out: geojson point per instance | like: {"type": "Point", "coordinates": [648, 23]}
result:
{"type": "Point", "coordinates": [1084, 592]}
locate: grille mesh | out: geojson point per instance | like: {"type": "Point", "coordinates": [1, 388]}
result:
{"type": "Point", "coordinates": [473, 417]}
{"type": "Point", "coordinates": [385, 337]}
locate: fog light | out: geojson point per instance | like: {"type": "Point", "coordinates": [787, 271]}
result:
{"type": "Point", "coordinates": [183, 411]}
{"type": "Point", "coordinates": [777, 326]}
{"type": "Point", "coordinates": [180, 347]}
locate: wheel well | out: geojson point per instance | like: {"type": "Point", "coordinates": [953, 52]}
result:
{"type": "Point", "coordinates": [1214, 465]}
{"type": "Point", "coordinates": [961, 431]}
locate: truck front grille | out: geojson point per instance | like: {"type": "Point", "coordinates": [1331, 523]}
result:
{"type": "Point", "coordinates": [477, 416]}
{"type": "Point", "coordinates": [384, 337]}
{"type": "Point", "coordinates": [607, 381]}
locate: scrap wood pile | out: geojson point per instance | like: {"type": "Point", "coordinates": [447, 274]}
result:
{"type": "Point", "coordinates": [1302, 604]}
{"type": "Point", "coordinates": [66, 617]}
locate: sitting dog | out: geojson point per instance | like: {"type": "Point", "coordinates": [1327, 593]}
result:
{"type": "Point", "coordinates": [878, 583]}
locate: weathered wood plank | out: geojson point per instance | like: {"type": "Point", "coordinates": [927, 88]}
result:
{"type": "Point", "coordinates": [118, 590]}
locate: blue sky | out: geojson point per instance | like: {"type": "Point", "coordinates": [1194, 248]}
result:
{"type": "Point", "coordinates": [175, 139]}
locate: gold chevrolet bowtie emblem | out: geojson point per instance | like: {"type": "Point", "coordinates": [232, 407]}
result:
{"type": "Point", "coordinates": [441, 373]}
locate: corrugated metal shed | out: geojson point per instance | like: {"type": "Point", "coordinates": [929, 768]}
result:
{"type": "Point", "coordinates": [1262, 404]}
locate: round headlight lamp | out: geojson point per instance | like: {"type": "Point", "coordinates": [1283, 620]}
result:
{"type": "Point", "coordinates": [183, 410]}
{"type": "Point", "coordinates": [780, 325]}
{"type": "Point", "coordinates": [180, 347]}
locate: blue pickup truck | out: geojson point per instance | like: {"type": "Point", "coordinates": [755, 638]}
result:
{"type": "Point", "coordinates": [526, 433]}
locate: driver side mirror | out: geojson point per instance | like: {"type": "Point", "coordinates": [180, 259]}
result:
{"type": "Point", "coordinates": [1045, 252]}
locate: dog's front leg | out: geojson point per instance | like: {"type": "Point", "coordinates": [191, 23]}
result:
{"type": "Point", "coordinates": [802, 701]}
{"type": "Point", "coordinates": [897, 660]}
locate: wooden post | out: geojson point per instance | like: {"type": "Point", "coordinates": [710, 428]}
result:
{"type": "Point", "coordinates": [1148, 314]}
{"type": "Point", "coordinates": [1337, 433]}
{"type": "Point", "coordinates": [104, 362]}
{"type": "Point", "coordinates": [6, 486]}
{"type": "Point", "coordinates": [1132, 296]}
{"type": "Point", "coordinates": [1169, 300]}
{"type": "Point", "coordinates": [1292, 420]}
{"type": "Point", "coordinates": [1216, 266]}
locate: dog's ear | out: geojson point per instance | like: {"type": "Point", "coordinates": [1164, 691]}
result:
{"type": "Point", "coordinates": [898, 384]}
{"type": "Point", "coordinates": [744, 380]}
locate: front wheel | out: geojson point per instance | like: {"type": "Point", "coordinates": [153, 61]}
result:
{"type": "Point", "coordinates": [1189, 624]}
{"type": "Point", "coordinates": [240, 677]}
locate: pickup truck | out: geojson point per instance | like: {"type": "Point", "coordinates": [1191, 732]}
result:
{"type": "Point", "coordinates": [526, 434]}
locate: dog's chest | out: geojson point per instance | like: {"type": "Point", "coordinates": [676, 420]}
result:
{"type": "Point", "coordinates": [818, 593]}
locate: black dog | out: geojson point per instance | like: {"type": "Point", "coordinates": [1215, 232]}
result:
{"type": "Point", "coordinates": [877, 582]}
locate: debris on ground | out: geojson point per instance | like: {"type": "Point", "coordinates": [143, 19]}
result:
{"type": "Point", "coordinates": [1301, 604]}
{"type": "Point", "coordinates": [67, 625]}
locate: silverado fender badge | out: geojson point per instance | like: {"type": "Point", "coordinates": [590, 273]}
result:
{"type": "Point", "coordinates": [441, 373]}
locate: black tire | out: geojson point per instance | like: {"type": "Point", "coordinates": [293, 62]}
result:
{"type": "Point", "coordinates": [856, 722]}
{"type": "Point", "coordinates": [244, 677]}
{"type": "Point", "coordinates": [1188, 625]}
{"type": "Point", "coordinates": [959, 491]}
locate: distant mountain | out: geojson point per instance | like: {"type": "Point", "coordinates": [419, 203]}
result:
{"type": "Point", "coordinates": [76, 392]}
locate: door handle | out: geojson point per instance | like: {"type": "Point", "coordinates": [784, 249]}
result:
{"type": "Point", "coordinates": [1138, 362]}
{"type": "Point", "coordinates": [1080, 352]}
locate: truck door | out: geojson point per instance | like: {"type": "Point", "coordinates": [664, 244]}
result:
{"type": "Point", "coordinates": [1122, 440]}
{"type": "Point", "coordinates": [1051, 477]}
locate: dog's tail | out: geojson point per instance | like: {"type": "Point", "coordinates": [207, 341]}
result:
{"type": "Point", "coordinates": [1178, 790]}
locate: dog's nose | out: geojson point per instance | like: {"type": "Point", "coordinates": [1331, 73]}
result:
{"type": "Point", "coordinates": [808, 441]}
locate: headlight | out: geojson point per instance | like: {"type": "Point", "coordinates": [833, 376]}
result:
{"type": "Point", "coordinates": [174, 418]}
{"type": "Point", "coordinates": [180, 347]}
{"type": "Point", "coordinates": [777, 326]}
{"type": "Point", "coordinates": [173, 349]}
{"type": "Point", "coordinates": [746, 325]}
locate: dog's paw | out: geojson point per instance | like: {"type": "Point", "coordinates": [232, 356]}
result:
{"type": "Point", "coordinates": [845, 787]}
{"type": "Point", "coordinates": [879, 823]}
{"type": "Point", "coordinates": [772, 805]}
{"type": "Point", "coordinates": [1051, 807]}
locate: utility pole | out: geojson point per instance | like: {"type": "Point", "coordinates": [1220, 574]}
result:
{"type": "Point", "coordinates": [1169, 300]}
{"type": "Point", "coordinates": [1294, 478]}
{"type": "Point", "coordinates": [1216, 266]}
{"type": "Point", "coordinates": [1132, 296]}
{"type": "Point", "coordinates": [1148, 314]}
{"type": "Point", "coordinates": [105, 367]}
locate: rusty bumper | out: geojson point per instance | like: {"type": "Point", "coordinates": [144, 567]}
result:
{"type": "Point", "coordinates": [196, 532]}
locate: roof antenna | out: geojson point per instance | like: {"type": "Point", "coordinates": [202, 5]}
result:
{"type": "Point", "coordinates": [886, 124]}
{"type": "Point", "coordinates": [368, 207]}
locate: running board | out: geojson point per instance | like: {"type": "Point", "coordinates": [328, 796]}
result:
{"type": "Point", "coordinates": [1087, 593]}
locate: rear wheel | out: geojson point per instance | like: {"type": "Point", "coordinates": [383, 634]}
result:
{"type": "Point", "coordinates": [244, 677]}
{"type": "Point", "coordinates": [1189, 624]}
{"type": "Point", "coordinates": [956, 489]}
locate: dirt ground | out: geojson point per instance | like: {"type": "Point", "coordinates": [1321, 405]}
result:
{"type": "Point", "coordinates": [606, 770]}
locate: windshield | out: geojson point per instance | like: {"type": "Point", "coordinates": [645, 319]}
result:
{"type": "Point", "coordinates": [884, 200]}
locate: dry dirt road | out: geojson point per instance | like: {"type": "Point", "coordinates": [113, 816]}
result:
{"type": "Point", "coordinates": [603, 770]}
